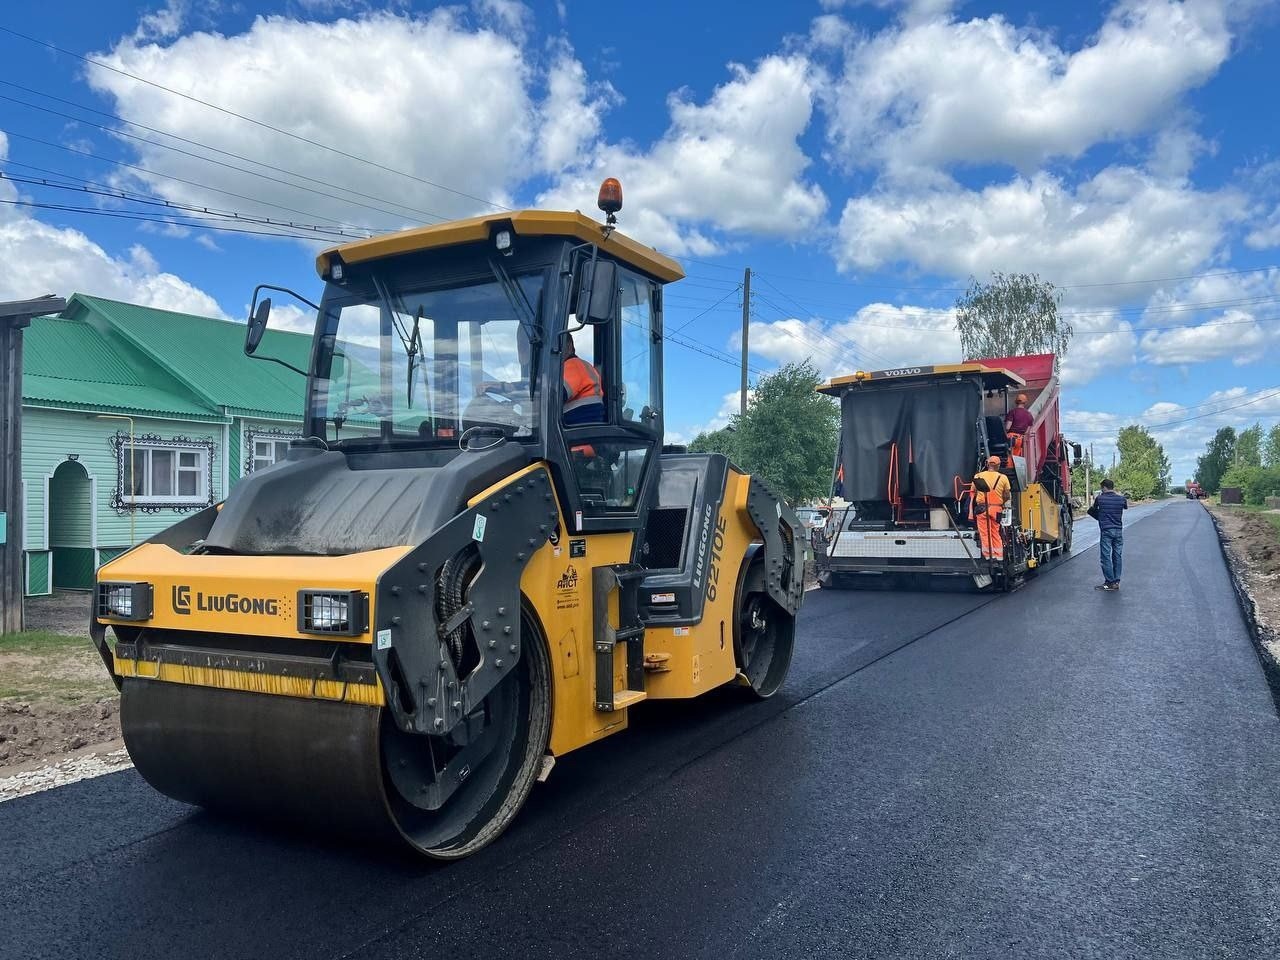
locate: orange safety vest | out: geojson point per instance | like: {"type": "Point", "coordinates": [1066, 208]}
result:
{"type": "Point", "coordinates": [581, 383]}
{"type": "Point", "coordinates": [998, 492]}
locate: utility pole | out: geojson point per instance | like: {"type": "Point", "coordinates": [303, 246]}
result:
{"type": "Point", "coordinates": [14, 317]}
{"type": "Point", "coordinates": [1088, 478]}
{"type": "Point", "coordinates": [746, 326]}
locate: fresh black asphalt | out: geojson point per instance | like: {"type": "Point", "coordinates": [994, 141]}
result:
{"type": "Point", "coordinates": [1054, 773]}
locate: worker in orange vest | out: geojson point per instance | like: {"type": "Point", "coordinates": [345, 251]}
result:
{"type": "Point", "coordinates": [986, 505]}
{"type": "Point", "coordinates": [583, 394]}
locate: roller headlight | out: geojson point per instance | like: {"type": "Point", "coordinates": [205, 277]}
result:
{"type": "Point", "coordinates": [343, 613]}
{"type": "Point", "coordinates": [124, 601]}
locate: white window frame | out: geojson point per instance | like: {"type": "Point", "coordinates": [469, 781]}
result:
{"type": "Point", "coordinates": [252, 436]}
{"type": "Point", "coordinates": [142, 453]}
{"type": "Point", "coordinates": [278, 450]}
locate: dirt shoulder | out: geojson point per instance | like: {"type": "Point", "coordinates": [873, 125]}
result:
{"type": "Point", "coordinates": [1252, 537]}
{"type": "Point", "coordinates": [55, 700]}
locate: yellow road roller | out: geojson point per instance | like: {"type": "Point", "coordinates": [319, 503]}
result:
{"type": "Point", "coordinates": [478, 557]}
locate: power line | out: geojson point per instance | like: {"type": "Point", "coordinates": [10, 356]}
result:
{"type": "Point", "coordinates": [439, 186]}
{"type": "Point", "coordinates": [435, 184]}
{"type": "Point", "coordinates": [181, 207]}
{"type": "Point", "coordinates": [154, 173]}
{"type": "Point", "coordinates": [203, 219]}
{"type": "Point", "coordinates": [1118, 328]}
{"type": "Point", "coordinates": [194, 143]}
{"type": "Point", "coordinates": [1198, 406]}
{"type": "Point", "coordinates": [844, 350]}
{"type": "Point", "coordinates": [248, 119]}
{"type": "Point", "coordinates": [709, 351]}
{"type": "Point", "coordinates": [314, 229]}
{"type": "Point", "coordinates": [203, 223]}
{"type": "Point", "coordinates": [697, 346]}
{"type": "Point", "coordinates": [1173, 423]}
{"type": "Point", "coordinates": [709, 283]}
{"type": "Point", "coordinates": [694, 301]}
{"type": "Point", "coordinates": [231, 166]}
{"type": "Point", "coordinates": [1068, 314]}
{"type": "Point", "coordinates": [1060, 286]}
{"type": "Point", "coordinates": [871, 354]}
{"type": "Point", "coordinates": [1190, 276]}
{"type": "Point", "coordinates": [698, 316]}
{"type": "Point", "coordinates": [195, 222]}
{"type": "Point", "coordinates": [198, 223]}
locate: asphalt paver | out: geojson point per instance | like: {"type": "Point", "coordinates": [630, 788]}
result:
{"type": "Point", "coordinates": [1058, 772]}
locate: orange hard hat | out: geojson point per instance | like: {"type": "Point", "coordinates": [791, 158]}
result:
{"type": "Point", "coordinates": [1022, 398]}
{"type": "Point", "coordinates": [993, 461]}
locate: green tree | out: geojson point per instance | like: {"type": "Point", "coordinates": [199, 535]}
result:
{"type": "Point", "coordinates": [1271, 450]}
{"type": "Point", "coordinates": [1012, 314]}
{"type": "Point", "coordinates": [1256, 483]}
{"type": "Point", "coordinates": [1249, 447]}
{"type": "Point", "coordinates": [787, 436]}
{"type": "Point", "coordinates": [716, 441]}
{"type": "Point", "coordinates": [1216, 459]}
{"type": "Point", "coordinates": [1143, 470]}
{"type": "Point", "coordinates": [1096, 473]}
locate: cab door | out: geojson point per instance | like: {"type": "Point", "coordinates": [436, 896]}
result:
{"type": "Point", "coordinates": [609, 467]}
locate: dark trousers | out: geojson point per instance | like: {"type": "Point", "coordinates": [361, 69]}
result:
{"type": "Point", "coordinates": [1111, 547]}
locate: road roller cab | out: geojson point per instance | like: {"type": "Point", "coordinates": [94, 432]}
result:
{"type": "Point", "coordinates": [457, 574]}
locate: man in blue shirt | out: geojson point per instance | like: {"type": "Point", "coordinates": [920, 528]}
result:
{"type": "Point", "coordinates": [1108, 509]}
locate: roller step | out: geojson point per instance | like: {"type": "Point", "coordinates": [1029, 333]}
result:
{"type": "Point", "coordinates": [628, 698]}
{"type": "Point", "coordinates": [624, 579]}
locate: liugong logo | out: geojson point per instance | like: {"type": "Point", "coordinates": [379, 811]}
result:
{"type": "Point", "coordinates": [222, 603]}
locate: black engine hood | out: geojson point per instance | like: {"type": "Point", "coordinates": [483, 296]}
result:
{"type": "Point", "coordinates": [333, 503]}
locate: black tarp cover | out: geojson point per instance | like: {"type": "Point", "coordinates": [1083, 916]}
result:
{"type": "Point", "coordinates": [934, 426]}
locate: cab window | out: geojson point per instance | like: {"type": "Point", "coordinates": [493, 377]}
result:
{"type": "Point", "coordinates": [609, 473]}
{"type": "Point", "coordinates": [636, 391]}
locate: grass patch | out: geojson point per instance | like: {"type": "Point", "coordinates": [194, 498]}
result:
{"type": "Point", "coordinates": [40, 666]}
{"type": "Point", "coordinates": [39, 642]}
{"type": "Point", "coordinates": [39, 689]}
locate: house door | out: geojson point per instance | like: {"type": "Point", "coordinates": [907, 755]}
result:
{"type": "Point", "coordinates": [71, 527]}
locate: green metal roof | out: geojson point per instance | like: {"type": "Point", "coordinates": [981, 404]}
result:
{"type": "Point", "coordinates": [60, 392]}
{"type": "Point", "coordinates": [207, 356]}
{"type": "Point", "coordinates": [54, 347]}
{"type": "Point", "coordinates": [71, 363]}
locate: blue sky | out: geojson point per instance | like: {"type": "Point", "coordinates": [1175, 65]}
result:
{"type": "Point", "coordinates": [863, 158]}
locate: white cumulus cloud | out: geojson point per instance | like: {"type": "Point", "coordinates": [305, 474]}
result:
{"type": "Point", "coordinates": [1215, 316]}
{"type": "Point", "coordinates": [468, 102]}
{"type": "Point", "coordinates": [572, 113]}
{"type": "Point", "coordinates": [937, 91]}
{"type": "Point", "coordinates": [1237, 335]}
{"type": "Point", "coordinates": [686, 432]}
{"type": "Point", "coordinates": [428, 96]}
{"type": "Point", "coordinates": [1103, 340]}
{"type": "Point", "coordinates": [876, 337]}
{"type": "Point", "coordinates": [1121, 224]}
{"type": "Point", "coordinates": [1183, 426]}
{"type": "Point", "coordinates": [732, 164]}
{"type": "Point", "coordinates": [62, 261]}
